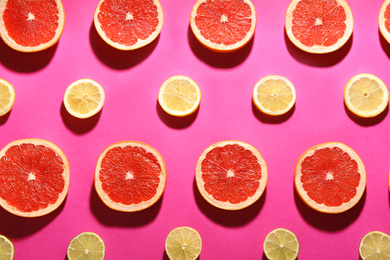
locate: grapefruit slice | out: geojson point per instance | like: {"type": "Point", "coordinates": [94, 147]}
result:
{"type": "Point", "coordinates": [84, 98]}
{"type": "Point", "coordinates": [231, 175]}
{"type": "Point", "coordinates": [128, 24]}
{"type": "Point", "coordinates": [87, 245]}
{"type": "Point", "coordinates": [281, 244]}
{"type": "Point", "coordinates": [366, 95]}
{"type": "Point", "coordinates": [7, 250]}
{"type": "Point", "coordinates": [34, 177]}
{"type": "Point", "coordinates": [330, 177]}
{"type": "Point", "coordinates": [375, 245]}
{"type": "Point", "coordinates": [179, 96]}
{"type": "Point", "coordinates": [31, 26]}
{"type": "Point", "coordinates": [7, 97]}
{"type": "Point", "coordinates": [318, 26]}
{"type": "Point", "coordinates": [183, 243]}
{"type": "Point", "coordinates": [274, 95]}
{"type": "Point", "coordinates": [130, 176]}
{"type": "Point", "coordinates": [384, 20]}
{"type": "Point", "coordinates": [223, 25]}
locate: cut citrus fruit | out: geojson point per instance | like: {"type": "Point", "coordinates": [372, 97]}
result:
{"type": "Point", "coordinates": [231, 175]}
{"type": "Point", "coordinates": [274, 95]}
{"type": "Point", "coordinates": [366, 95]}
{"type": "Point", "coordinates": [318, 26]}
{"type": "Point", "coordinates": [130, 176]}
{"type": "Point", "coordinates": [30, 26]}
{"type": "Point", "coordinates": [281, 244]}
{"type": "Point", "coordinates": [34, 177]}
{"type": "Point", "coordinates": [330, 177]}
{"type": "Point", "coordinates": [223, 25]}
{"type": "Point", "coordinates": [7, 251]}
{"type": "Point", "coordinates": [183, 243]}
{"type": "Point", "coordinates": [375, 245]}
{"type": "Point", "coordinates": [7, 97]}
{"type": "Point", "coordinates": [84, 98]}
{"type": "Point", "coordinates": [179, 96]}
{"type": "Point", "coordinates": [384, 20]}
{"type": "Point", "coordinates": [87, 245]}
{"type": "Point", "coordinates": [128, 24]}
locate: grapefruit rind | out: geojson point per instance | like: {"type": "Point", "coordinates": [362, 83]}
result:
{"type": "Point", "coordinates": [282, 254]}
{"type": "Point", "coordinates": [319, 49]}
{"type": "Point", "coordinates": [267, 111]}
{"type": "Point", "coordinates": [222, 48]}
{"type": "Point", "coordinates": [381, 21]}
{"type": "Point", "coordinates": [176, 112]}
{"type": "Point", "coordinates": [354, 109]}
{"type": "Point", "coordinates": [11, 89]}
{"type": "Point", "coordinates": [92, 112]}
{"type": "Point", "coordinates": [375, 251]}
{"type": "Point", "coordinates": [227, 205]}
{"type": "Point", "coordinates": [133, 207]}
{"type": "Point", "coordinates": [191, 235]}
{"type": "Point", "coordinates": [140, 43]}
{"type": "Point", "coordinates": [66, 174]}
{"type": "Point", "coordinates": [11, 42]}
{"type": "Point", "coordinates": [320, 207]}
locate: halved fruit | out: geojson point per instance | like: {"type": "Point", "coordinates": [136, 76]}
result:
{"type": "Point", "coordinates": [375, 245]}
{"type": "Point", "coordinates": [281, 244]}
{"type": "Point", "coordinates": [7, 97]}
{"type": "Point", "coordinates": [7, 250]}
{"type": "Point", "coordinates": [183, 243]}
{"type": "Point", "coordinates": [87, 245]}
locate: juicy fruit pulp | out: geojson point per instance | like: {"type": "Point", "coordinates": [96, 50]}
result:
{"type": "Point", "coordinates": [32, 25]}
{"type": "Point", "coordinates": [130, 176]}
{"type": "Point", "coordinates": [128, 24]}
{"type": "Point", "coordinates": [33, 177]}
{"type": "Point", "coordinates": [375, 245]}
{"type": "Point", "coordinates": [231, 175]}
{"type": "Point", "coordinates": [223, 25]}
{"type": "Point", "coordinates": [281, 244]}
{"type": "Point", "coordinates": [86, 245]}
{"type": "Point", "coordinates": [183, 243]}
{"type": "Point", "coordinates": [330, 177]}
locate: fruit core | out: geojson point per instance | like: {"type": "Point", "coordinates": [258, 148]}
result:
{"type": "Point", "coordinates": [224, 18]}
{"type": "Point", "coordinates": [30, 17]}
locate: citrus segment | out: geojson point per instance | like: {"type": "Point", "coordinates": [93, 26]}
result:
{"type": "Point", "coordinates": [223, 25]}
{"type": "Point", "coordinates": [319, 26]}
{"type": "Point", "coordinates": [87, 245]}
{"type": "Point", "coordinates": [330, 177]}
{"type": "Point", "coordinates": [128, 24]}
{"type": "Point", "coordinates": [7, 251]}
{"type": "Point", "coordinates": [31, 26]}
{"type": "Point", "coordinates": [7, 97]}
{"type": "Point", "coordinates": [274, 95]}
{"type": "Point", "coordinates": [179, 96]}
{"type": "Point", "coordinates": [281, 244]}
{"type": "Point", "coordinates": [183, 243]}
{"type": "Point", "coordinates": [375, 245]}
{"type": "Point", "coordinates": [84, 98]}
{"type": "Point", "coordinates": [231, 175]}
{"type": "Point", "coordinates": [384, 20]}
{"type": "Point", "coordinates": [130, 176]}
{"type": "Point", "coordinates": [366, 95]}
{"type": "Point", "coordinates": [34, 177]}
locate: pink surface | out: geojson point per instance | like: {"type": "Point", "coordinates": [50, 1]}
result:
{"type": "Point", "coordinates": [131, 81]}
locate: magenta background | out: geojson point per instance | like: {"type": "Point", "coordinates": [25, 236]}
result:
{"type": "Point", "coordinates": [131, 81]}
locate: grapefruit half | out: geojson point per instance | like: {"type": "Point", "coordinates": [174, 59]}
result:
{"type": "Point", "coordinates": [31, 26]}
{"type": "Point", "coordinates": [318, 26]}
{"type": "Point", "coordinates": [128, 24]}
{"type": "Point", "coordinates": [330, 177]}
{"type": "Point", "coordinates": [384, 20]}
{"type": "Point", "coordinates": [223, 25]}
{"type": "Point", "coordinates": [34, 177]}
{"type": "Point", "coordinates": [231, 175]}
{"type": "Point", "coordinates": [130, 176]}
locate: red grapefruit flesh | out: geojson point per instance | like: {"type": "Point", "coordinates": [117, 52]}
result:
{"type": "Point", "coordinates": [34, 177]}
{"type": "Point", "coordinates": [130, 176]}
{"type": "Point", "coordinates": [330, 177]}
{"type": "Point", "coordinates": [231, 175]}
{"type": "Point", "coordinates": [30, 26]}
{"type": "Point", "coordinates": [128, 24]}
{"type": "Point", "coordinates": [384, 20]}
{"type": "Point", "coordinates": [319, 26]}
{"type": "Point", "coordinates": [223, 25]}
